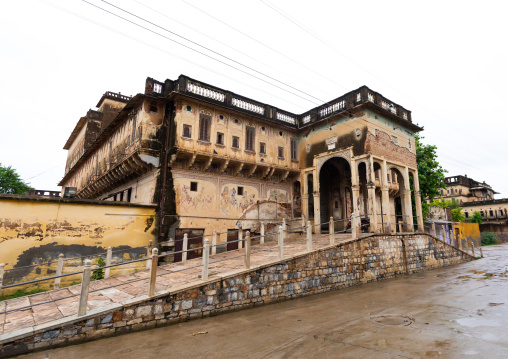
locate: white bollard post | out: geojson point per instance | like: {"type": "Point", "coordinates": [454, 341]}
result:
{"type": "Point", "coordinates": [185, 244]}
{"type": "Point", "coordinates": [2, 266]}
{"type": "Point", "coordinates": [153, 271]}
{"type": "Point", "coordinates": [247, 249]}
{"type": "Point", "coordinates": [309, 236]}
{"type": "Point", "coordinates": [353, 225]}
{"type": "Point", "coordinates": [85, 283]}
{"type": "Point", "coordinates": [240, 238]}
{"type": "Point", "coordinates": [206, 260]}
{"type": "Point", "coordinates": [149, 253]}
{"type": "Point", "coordinates": [262, 238]}
{"type": "Point", "coordinates": [281, 242]}
{"type": "Point", "coordinates": [472, 248]}
{"type": "Point", "coordinates": [214, 242]}
{"type": "Point", "coordinates": [434, 229]}
{"type": "Point", "coordinates": [59, 269]}
{"type": "Point", "coordinates": [109, 255]}
{"type": "Point", "coordinates": [332, 231]}
{"type": "Point", "coordinates": [303, 220]}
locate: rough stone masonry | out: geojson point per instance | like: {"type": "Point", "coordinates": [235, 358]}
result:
{"type": "Point", "coordinates": [334, 267]}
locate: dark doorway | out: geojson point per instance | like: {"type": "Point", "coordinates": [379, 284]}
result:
{"type": "Point", "coordinates": [232, 236]}
{"type": "Point", "coordinates": [195, 240]}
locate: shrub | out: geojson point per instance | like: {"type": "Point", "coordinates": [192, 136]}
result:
{"type": "Point", "coordinates": [489, 238]}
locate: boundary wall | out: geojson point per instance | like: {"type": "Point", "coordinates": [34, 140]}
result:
{"type": "Point", "coordinates": [337, 266]}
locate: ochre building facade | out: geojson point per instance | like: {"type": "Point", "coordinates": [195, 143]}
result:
{"type": "Point", "coordinates": [213, 160]}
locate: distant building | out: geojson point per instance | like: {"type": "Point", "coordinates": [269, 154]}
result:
{"type": "Point", "coordinates": [465, 189]}
{"type": "Point", "coordinates": [492, 211]}
{"type": "Point", "coordinates": [211, 159]}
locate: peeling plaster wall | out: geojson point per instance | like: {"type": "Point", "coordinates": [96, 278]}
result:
{"type": "Point", "coordinates": [217, 205]}
{"type": "Point", "coordinates": [467, 232]}
{"type": "Point", "coordinates": [35, 231]}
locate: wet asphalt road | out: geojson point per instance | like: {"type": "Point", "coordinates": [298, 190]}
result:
{"type": "Point", "coordinates": [454, 312]}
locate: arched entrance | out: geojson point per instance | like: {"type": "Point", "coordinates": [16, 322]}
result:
{"type": "Point", "coordinates": [335, 192]}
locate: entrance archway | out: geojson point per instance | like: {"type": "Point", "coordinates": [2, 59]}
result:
{"type": "Point", "coordinates": [335, 192]}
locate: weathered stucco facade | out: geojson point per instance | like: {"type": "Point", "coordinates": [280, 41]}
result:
{"type": "Point", "coordinates": [35, 230]}
{"type": "Point", "coordinates": [212, 160]}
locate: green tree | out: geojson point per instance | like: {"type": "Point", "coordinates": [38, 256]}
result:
{"type": "Point", "coordinates": [430, 173]}
{"type": "Point", "coordinates": [457, 215]}
{"type": "Point", "coordinates": [10, 183]}
{"type": "Point", "coordinates": [476, 218]}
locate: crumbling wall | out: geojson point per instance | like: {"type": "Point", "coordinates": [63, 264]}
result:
{"type": "Point", "coordinates": [35, 230]}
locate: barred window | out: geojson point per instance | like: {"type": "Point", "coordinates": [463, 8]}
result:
{"type": "Point", "coordinates": [262, 148]}
{"type": "Point", "coordinates": [294, 155]}
{"type": "Point", "coordinates": [281, 152]}
{"type": "Point", "coordinates": [204, 128]}
{"type": "Point", "coordinates": [187, 131]}
{"type": "Point", "coordinates": [236, 142]}
{"type": "Point", "coordinates": [249, 138]}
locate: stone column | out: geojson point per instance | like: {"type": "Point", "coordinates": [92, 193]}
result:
{"type": "Point", "coordinates": [305, 205]}
{"type": "Point", "coordinates": [355, 192]}
{"type": "Point", "coordinates": [371, 190]}
{"type": "Point", "coordinates": [409, 204]}
{"type": "Point", "coordinates": [317, 215]}
{"type": "Point", "coordinates": [418, 204]}
{"type": "Point", "coordinates": [385, 198]}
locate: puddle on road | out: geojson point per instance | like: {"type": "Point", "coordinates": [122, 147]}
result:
{"type": "Point", "coordinates": [399, 320]}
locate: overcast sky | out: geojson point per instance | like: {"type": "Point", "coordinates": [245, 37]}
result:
{"type": "Point", "coordinates": [446, 61]}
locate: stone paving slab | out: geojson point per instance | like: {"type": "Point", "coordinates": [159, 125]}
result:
{"type": "Point", "coordinates": [127, 287]}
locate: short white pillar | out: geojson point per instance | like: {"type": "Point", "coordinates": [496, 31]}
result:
{"type": "Point", "coordinates": [214, 242]}
{"type": "Point", "coordinates": [262, 238]}
{"type": "Point", "coordinates": [309, 236]}
{"type": "Point", "coordinates": [353, 225]}
{"type": "Point", "coordinates": [240, 238]}
{"type": "Point", "coordinates": [281, 242]}
{"type": "Point", "coordinates": [206, 260]}
{"type": "Point", "coordinates": [153, 272]}
{"type": "Point", "coordinates": [332, 231]}
{"type": "Point", "coordinates": [149, 253]}
{"type": "Point", "coordinates": [85, 283]}
{"type": "Point", "coordinates": [247, 249]}
{"type": "Point", "coordinates": [59, 269]}
{"type": "Point", "coordinates": [185, 245]}
{"type": "Point", "coordinates": [109, 256]}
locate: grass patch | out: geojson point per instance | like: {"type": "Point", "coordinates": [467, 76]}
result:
{"type": "Point", "coordinates": [21, 293]}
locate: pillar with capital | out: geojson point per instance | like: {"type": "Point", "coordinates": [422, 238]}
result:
{"type": "Point", "coordinates": [407, 201]}
{"type": "Point", "coordinates": [418, 202]}
{"type": "Point", "coordinates": [355, 192]}
{"type": "Point", "coordinates": [371, 190]}
{"type": "Point", "coordinates": [385, 198]}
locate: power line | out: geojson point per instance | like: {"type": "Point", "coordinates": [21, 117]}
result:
{"type": "Point", "coordinates": [306, 29]}
{"type": "Point", "coordinates": [197, 51]}
{"type": "Point", "coordinates": [229, 65]}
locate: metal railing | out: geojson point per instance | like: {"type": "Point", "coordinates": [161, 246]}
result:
{"type": "Point", "coordinates": [207, 248]}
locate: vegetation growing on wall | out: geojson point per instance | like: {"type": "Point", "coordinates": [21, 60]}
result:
{"type": "Point", "coordinates": [475, 218]}
{"type": "Point", "coordinates": [457, 215]}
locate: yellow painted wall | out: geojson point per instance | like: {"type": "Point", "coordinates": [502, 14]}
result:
{"type": "Point", "coordinates": [35, 230]}
{"type": "Point", "coordinates": [468, 232]}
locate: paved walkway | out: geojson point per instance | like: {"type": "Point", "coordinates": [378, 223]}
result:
{"type": "Point", "coordinates": [454, 312]}
{"type": "Point", "coordinates": [25, 312]}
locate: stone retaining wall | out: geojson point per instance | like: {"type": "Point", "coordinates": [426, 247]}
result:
{"type": "Point", "coordinates": [343, 265]}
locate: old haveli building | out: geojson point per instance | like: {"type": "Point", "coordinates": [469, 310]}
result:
{"type": "Point", "coordinates": [476, 196]}
{"type": "Point", "coordinates": [212, 159]}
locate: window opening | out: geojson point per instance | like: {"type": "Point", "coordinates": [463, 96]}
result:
{"type": "Point", "coordinates": [293, 149]}
{"type": "Point", "coordinates": [281, 152]}
{"type": "Point", "coordinates": [236, 142]}
{"type": "Point", "coordinates": [240, 191]}
{"type": "Point", "coordinates": [204, 129]}
{"type": "Point", "coordinates": [249, 138]}
{"type": "Point", "coordinates": [194, 186]}
{"type": "Point", "coordinates": [262, 148]}
{"type": "Point", "coordinates": [187, 131]}
{"type": "Point", "coordinates": [220, 138]}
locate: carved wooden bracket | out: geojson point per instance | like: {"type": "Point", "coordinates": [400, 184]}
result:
{"type": "Point", "coordinates": [223, 166]}
{"type": "Point", "coordinates": [238, 169]}
{"type": "Point", "coordinates": [191, 160]}
{"type": "Point", "coordinates": [284, 175]}
{"type": "Point", "coordinates": [252, 170]}
{"type": "Point", "coordinates": [208, 163]}
{"type": "Point", "coordinates": [264, 173]}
